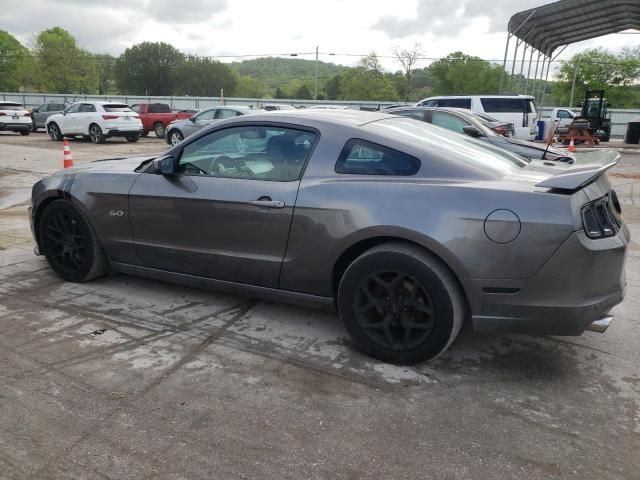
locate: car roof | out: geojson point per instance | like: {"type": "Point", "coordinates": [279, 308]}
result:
{"type": "Point", "coordinates": [346, 117]}
{"type": "Point", "coordinates": [438, 97]}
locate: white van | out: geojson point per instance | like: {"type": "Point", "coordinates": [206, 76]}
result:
{"type": "Point", "coordinates": [517, 109]}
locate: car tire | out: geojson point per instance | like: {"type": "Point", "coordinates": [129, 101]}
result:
{"type": "Point", "coordinates": [144, 133]}
{"type": "Point", "coordinates": [175, 137]}
{"type": "Point", "coordinates": [400, 304]}
{"type": "Point", "coordinates": [159, 129]}
{"type": "Point", "coordinates": [95, 133]}
{"type": "Point", "coordinates": [70, 244]}
{"type": "Point", "coordinates": [54, 132]}
{"type": "Point", "coordinates": [132, 138]}
{"type": "Point", "coordinates": [25, 132]}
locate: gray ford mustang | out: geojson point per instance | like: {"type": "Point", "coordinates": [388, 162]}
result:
{"type": "Point", "coordinates": [405, 228]}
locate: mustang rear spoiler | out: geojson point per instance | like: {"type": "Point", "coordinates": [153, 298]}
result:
{"type": "Point", "coordinates": [587, 169]}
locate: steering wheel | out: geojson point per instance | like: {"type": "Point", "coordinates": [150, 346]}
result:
{"type": "Point", "coordinates": [190, 166]}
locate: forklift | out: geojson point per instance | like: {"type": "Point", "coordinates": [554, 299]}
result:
{"type": "Point", "coordinates": [595, 113]}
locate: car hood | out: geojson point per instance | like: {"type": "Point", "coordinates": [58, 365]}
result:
{"type": "Point", "coordinates": [110, 165]}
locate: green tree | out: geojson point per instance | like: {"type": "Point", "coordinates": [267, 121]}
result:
{"type": "Point", "coordinates": [12, 60]}
{"type": "Point", "coordinates": [303, 92]}
{"type": "Point", "coordinates": [106, 73]}
{"type": "Point", "coordinates": [148, 68]}
{"type": "Point", "coordinates": [598, 68]}
{"type": "Point", "coordinates": [199, 76]}
{"type": "Point", "coordinates": [279, 93]}
{"type": "Point", "coordinates": [362, 84]}
{"type": "Point", "coordinates": [332, 88]}
{"type": "Point", "coordinates": [62, 66]}
{"type": "Point", "coordinates": [458, 73]}
{"type": "Point", "coordinates": [248, 87]}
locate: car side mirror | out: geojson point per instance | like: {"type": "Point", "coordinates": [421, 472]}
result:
{"type": "Point", "coordinates": [472, 131]}
{"type": "Point", "coordinates": [166, 165]}
{"type": "Point", "coordinates": [192, 119]}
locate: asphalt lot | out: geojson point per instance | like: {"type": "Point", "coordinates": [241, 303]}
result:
{"type": "Point", "coordinates": [125, 378]}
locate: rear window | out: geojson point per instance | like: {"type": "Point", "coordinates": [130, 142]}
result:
{"type": "Point", "coordinates": [11, 106]}
{"type": "Point", "coordinates": [504, 105]}
{"type": "Point", "coordinates": [114, 107]}
{"type": "Point", "coordinates": [455, 102]}
{"type": "Point", "coordinates": [360, 157]}
{"type": "Point", "coordinates": [159, 108]}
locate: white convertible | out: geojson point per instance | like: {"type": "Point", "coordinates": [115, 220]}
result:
{"type": "Point", "coordinates": [95, 120]}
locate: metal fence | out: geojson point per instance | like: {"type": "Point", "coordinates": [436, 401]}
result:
{"type": "Point", "coordinates": [619, 117]}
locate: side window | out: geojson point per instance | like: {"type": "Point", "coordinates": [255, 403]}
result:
{"type": "Point", "coordinates": [564, 114]}
{"type": "Point", "coordinates": [503, 105]}
{"type": "Point", "coordinates": [448, 121]}
{"type": "Point", "coordinates": [207, 114]}
{"type": "Point", "coordinates": [429, 103]}
{"type": "Point", "coordinates": [250, 152]}
{"type": "Point", "coordinates": [87, 108]}
{"type": "Point", "coordinates": [73, 108]}
{"type": "Point", "coordinates": [55, 107]}
{"type": "Point", "coordinates": [360, 157]}
{"type": "Point", "coordinates": [417, 114]}
{"type": "Point", "coordinates": [455, 102]}
{"type": "Point", "coordinates": [224, 113]}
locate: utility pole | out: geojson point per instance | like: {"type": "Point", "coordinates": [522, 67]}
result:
{"type": "Point", "coordinates": [573, 85]}
{"type": "Point", "coordinates": [315, 85]}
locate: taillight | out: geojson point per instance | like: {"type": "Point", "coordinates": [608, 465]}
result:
{"type": "Point", "coordinates": [599, 219]}
{"type": "Point", "coordinates": [109, 117]}
{"type": "Point", "coordinates": [26, 114]}
{"type": "Point", "coordinates": [2, 114]}
{"type": "Point", "coordinates": [501, 131]}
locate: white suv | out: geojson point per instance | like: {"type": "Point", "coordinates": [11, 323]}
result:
{"type": "Point", "coordinates": [517, 109]}
{"type": "Point", "coordinates": [15, 118]}
{"type": "Point", "coordinates": [95, 120]}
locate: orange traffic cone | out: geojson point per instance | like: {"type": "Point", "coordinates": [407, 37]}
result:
{"type": "Point", "coordinates": [572, 146]}
{"type": "Point", "coordinates": [68, 160]}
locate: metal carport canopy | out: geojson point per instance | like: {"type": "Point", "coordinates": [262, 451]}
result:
{"type": "Point", "coordinates": [564, 22]}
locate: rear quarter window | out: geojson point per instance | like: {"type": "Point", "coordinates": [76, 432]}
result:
{"type": "Point", "coordinates": [504, 105]}
{"type": "Point", "coordinates": [360, 157]}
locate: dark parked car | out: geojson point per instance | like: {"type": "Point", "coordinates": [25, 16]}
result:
{"type": "Point", "coordinates": [40, 114]}
{"type": "Point", "coordinates": [484, 128]}
{"type": "Point", "coordinates": [180, 129]}
{"type": "Point", "coordinates": [407, 229]}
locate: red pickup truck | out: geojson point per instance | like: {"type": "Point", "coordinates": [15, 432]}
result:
{"type": "Point", "coordinates": [156, 117]}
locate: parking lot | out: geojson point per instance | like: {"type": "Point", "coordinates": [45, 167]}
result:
{"type": "Point", "coordinates": [125, 378]}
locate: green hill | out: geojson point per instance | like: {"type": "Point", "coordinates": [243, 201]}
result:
{"type": "Point", "coordinates": [274, 72]}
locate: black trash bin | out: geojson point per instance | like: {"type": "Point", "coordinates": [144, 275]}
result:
{"type": "Point", "coordinates": [632, 134]}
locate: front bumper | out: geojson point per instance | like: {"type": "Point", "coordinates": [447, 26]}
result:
{"type": "Point", "coordinates": [578, 285]}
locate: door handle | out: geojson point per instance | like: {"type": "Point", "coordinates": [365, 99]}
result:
{"type": "Point", "coordinates": [268, 203]}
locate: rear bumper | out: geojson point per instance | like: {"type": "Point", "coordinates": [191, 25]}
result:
{"type": "Point", "coordinates": [15, 127]}
{"type": "Point", "coordinates": [119, 132]}
{"type": "Point", "coordinates": [578, 285]}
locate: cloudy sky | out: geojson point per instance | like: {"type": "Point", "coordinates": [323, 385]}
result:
{"type": "Point", "coordinates": [251, 27]}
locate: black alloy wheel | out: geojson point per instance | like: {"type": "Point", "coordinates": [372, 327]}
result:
{"type": "Point", "coordinates": [394, 309]}
{"type": "Point", "coordinates": [69, 243]}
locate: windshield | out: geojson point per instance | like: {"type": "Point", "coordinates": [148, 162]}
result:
{"type": "Point", "coordinates": [462, 148]}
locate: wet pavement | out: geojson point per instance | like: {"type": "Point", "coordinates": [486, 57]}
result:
{"type": "Point", "coordinates": [126, 378]}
